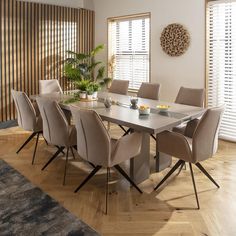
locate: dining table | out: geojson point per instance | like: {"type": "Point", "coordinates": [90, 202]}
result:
{"type": "Point", "coordinates": [122, 114]}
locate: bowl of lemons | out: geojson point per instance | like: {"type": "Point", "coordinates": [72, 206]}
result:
{"type": "Point", "coordinates": [163, 108]}
{"type": "Point", "coordinates": [144, 110]}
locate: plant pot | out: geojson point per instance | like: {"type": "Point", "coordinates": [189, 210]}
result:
{"type": "Point", "coordinates": [108, 85]}
{"type": "Point", "coordinates": [82, 95]}
{"type": "Point", "coordinates": [90, 96]}
{"type": "Point", "coordinates": [95, 95]}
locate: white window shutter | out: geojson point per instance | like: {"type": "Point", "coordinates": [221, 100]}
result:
{"type": "Point", "coordinates": [222, 63]}
{"type": "Point", "coordinates": [129, 47]}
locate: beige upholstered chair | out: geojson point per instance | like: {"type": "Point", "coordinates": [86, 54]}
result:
{"type": "Point", "coordinates": [191, 97]}
{"type": "Point", "coordinates": [95, 145]}
{"type": "Point", "coordinates": [149, 91]}
{"type": "Point", "coordinates": [56, 129]}
{"type": "Point", "coordinates": [49, 86]}
{"type": "Point", "coordinates": [119, 86]}
{"type": "Point", "coordinates": [27, 118]}
{"type": "Point", "coordinates": [201, 146]}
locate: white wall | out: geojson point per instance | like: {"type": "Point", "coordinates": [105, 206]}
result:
{"type": "Point", "coordinates": [187, 70]}
{"type": "Point", "coordinates": [88, 4]}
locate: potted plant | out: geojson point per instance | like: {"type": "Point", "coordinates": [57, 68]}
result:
{"type": "Point", "coordinates": [96, 87]}
{"type": "Point", "coordinates": [84, 67]}
{"type": "Point", "coordinates": [90, 92]}
{"type": "Point", "coordinates": [82, 86]}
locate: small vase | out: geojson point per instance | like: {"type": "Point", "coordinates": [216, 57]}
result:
{"type": "Point", "coordinates": [89, 96]}
{"type": "Point", "coordinates": [95, 95]}
{"type": "Point", "coordinates": [108, 102]}
{"type": "Point", "coordinates": [82, 95]}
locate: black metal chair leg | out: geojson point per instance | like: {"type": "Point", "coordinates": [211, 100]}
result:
{"type": "Point", "coordinates": [157, 157]}
{"type": "Point", "coordinates": [61, 150]}
{"type": "Point", "coordinates": [35, 148]}
{"type": "Point", "coordinates": [153, 137]}
{"type": "Point", "coordinates": [127, 132]}
{"type": "Point", "coordinates": [107, 189]}
{"type": "Point", "coordinates": [194, 185]}
{"type": "Point", "coordinates": [67, 153]}
{"type": "Point", "coordinates": [174, 168]}
{"type": "Point", "coordinates": [45, 141]}
{"type": "Point", "coordinates": [94, 171]}
{"type": "Point", "coordinates": [122, 128]}
{"type": "Point", "coordinates": [28, 139]}
{"type": "Point", "coordinates": [53, 157]}
{"type": "Point", "coordinates": [181, 167]}
{"type": "Point", "coordinates": [122, 172]}
{"type": "Point", "coordinates": [71, 148]}
{"type": "Point", "coordinates": [91, 164]}
{"type": "Point", "coordinates": [207, 174]}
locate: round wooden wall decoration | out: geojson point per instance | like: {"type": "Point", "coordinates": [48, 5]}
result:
{"type": "Point", "coordinates": [175, 40]}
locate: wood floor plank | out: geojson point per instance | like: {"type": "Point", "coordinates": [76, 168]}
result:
{"type": "Point", "coordinates": [169, 212]}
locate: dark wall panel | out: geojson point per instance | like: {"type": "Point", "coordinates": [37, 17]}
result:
{"type": "Point", "coordinates": [34, 39]}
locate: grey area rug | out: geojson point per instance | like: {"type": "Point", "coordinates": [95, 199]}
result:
{"type": "Point", "coordinates": [26, 210]}
{"type": "Point", "coordinates": [8, 124]}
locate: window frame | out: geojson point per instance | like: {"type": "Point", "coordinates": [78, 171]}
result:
{"type": "Point", "coordinates": [124, 18]}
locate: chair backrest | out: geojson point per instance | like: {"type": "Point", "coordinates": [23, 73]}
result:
{"type": "Point", "coordinates": [205, 137]}
{"type": "Point", "coordinates": [26, 115]}
{"type": "Point", "coordinates": [190, 96]}
{"type": "Point", "coordinates": [49, 86]}
{"type": "Point", "coordinates": [149, 91]}
{"type": "Point", "coordinates": [119, 86]}
{"type": "Point", "coordinates": [55, 125]}
{"type": "Point", "coordinates": [93, 140]}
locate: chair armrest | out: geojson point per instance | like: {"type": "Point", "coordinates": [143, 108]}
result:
{"type": "Point", "coordinates": [174, 144]}
{"type": "Point", "coordinates": [126, 148]}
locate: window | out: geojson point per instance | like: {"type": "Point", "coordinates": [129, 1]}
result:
{"type": "Point", "coordinates": [129, 57]}
{"type": "Point", "coordinates": [222, 63]}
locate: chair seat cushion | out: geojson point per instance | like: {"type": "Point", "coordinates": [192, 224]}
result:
{"type": "Point", "coordinates": [179, 129]}
{"type": "Point", "coordinates": [175, 144]}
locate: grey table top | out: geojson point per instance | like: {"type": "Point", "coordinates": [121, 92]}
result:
{"type": "Point", "coordinates": [121, 114]}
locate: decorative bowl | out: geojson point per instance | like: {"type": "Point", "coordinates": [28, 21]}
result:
{"type": "Point", "coordinates": [163, 108]}
{"type": "Point", "coordinates": [144, 110]}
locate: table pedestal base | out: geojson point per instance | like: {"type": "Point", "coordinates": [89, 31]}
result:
{"type": "Point", "coordinates": [140, 165]}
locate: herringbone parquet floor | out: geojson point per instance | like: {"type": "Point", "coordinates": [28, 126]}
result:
{"type": "Point", "coordinates": [170, 212]}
